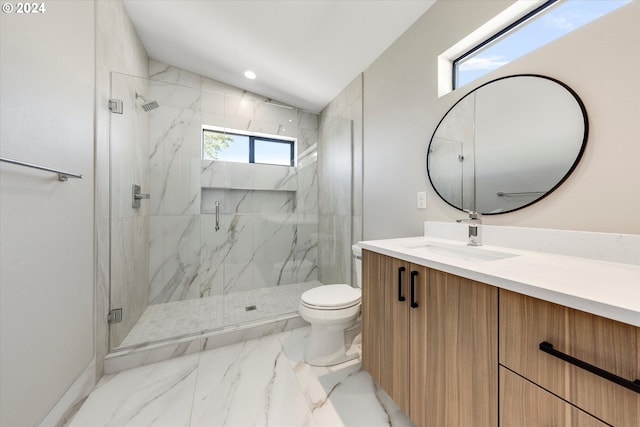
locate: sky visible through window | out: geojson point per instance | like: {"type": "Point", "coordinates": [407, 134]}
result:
{"type": "Point", "coordinates": [238, 150]}
{"type": "Point", "coordinates": [556, 21]}
{"type": "Point", "coordinates": [272, 153]}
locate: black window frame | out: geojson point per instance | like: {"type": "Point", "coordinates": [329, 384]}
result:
{"type": "Point", "coordinates": [489, 40]}
{"type": "Point", "coordinates": [252, 139]}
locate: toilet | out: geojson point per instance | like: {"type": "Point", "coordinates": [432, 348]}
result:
{"type": "Point", "coordinates": [331, 309]}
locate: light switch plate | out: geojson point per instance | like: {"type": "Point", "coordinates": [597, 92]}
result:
{"type": "Point", "coordinates": [422, 200]}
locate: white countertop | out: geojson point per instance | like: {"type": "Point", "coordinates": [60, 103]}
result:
{"type": "Point", "coordinates": [607, 289]}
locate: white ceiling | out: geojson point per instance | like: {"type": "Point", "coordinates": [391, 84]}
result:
{"type": "Point", "coordinates": [304, 52]}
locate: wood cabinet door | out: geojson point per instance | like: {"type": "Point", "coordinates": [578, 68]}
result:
{"type": "Point", "coordinates": [396, 352]}
{"type": "Point", "coordinates": [419, 348]}
{"type": "Point", "coordinates": [454, 350]}
{"type": "Point", "coordinates": [372, 313]}
{"type": "Point", "coordinates": [438, 357]}
{"type": "Point", "coordinates": [385, 325]}
{"type": "Point", "coordinates": [524, 404]}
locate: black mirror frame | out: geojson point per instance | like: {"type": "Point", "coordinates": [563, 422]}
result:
{"type": "Point", "coordinates": [566, 175]}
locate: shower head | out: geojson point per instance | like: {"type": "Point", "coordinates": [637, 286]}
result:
{"type": "Point", "coordinates": [148, 105]}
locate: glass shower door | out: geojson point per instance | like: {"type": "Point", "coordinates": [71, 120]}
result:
{"type": "Point", "coordinates": [156, 278]}
{"type": "Point", "coordinates": [129, 225]}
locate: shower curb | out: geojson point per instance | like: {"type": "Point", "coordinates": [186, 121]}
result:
{"type": "Point", "coordinates": [128, 358]}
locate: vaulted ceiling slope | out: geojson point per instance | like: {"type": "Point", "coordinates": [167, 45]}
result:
{"type": "Point", "coordinates": [304, 52]}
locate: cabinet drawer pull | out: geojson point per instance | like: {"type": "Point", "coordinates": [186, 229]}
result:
{"type": "Point", "coordinates": [414, 304]}
{"type": "Point", "coordinates": [400, 296]}
{"type": "Point", "coordinates": [631, 385]}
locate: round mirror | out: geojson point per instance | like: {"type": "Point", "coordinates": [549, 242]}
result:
{"type": "Point", "coordinates": [507, 144]}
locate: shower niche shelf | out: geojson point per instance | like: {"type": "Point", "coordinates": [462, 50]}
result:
{"type": "Point", "coordinates": [237, 201]}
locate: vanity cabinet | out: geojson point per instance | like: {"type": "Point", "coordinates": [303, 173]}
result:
{"type": "Point", "coordinates": [611, 346]}
{"type": "Point", "coordinates": [430, 340]}
{"type": "Point", "coordinates": [523, 404]}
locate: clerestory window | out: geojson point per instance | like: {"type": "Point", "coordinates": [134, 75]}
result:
{"type": "Point", "coordinates": [549, 21]}
{"type": "Point", "coordinates": [245, 147]}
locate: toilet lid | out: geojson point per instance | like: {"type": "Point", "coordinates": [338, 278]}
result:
{"type": "Point", "coordinates": [332, 296]}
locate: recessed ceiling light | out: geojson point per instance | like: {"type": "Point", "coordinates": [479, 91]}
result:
{"type": "Point", "coordinates": [250, 74]}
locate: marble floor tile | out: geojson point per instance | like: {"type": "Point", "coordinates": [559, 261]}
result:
{"type": "Point", "coordinates": [160, 394]}
{"type": "Point", "coordinates": [341, 395]}
{"type": "Point", "coordinates": [249, 384]}
{"type": "Point", "coordinates": [259, 382]}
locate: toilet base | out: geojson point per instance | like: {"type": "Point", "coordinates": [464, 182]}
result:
{"type": "Point", "coordinates": [325, 347]}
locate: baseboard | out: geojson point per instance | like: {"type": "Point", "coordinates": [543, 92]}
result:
{"type": "Point", "coordinates": [71, 400]}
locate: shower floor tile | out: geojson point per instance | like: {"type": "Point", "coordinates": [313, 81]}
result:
{"type": "Point", "coordinates": [164, 321]}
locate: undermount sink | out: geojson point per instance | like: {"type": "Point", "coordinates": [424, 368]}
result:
{"type": "Point", "coordinates": [461, 252]}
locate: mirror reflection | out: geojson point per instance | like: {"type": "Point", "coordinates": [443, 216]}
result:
{"type": "Point", "coordinates": [507, 144]}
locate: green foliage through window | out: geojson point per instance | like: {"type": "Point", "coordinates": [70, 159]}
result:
{"type": "Point", "coordinates": [213, 143]}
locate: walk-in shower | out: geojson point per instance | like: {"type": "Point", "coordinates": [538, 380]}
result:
{"type": "Point", "coordinates": [216, 244]}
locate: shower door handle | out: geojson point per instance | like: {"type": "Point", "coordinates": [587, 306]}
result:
{"type": "Point", "coordinates": [217, 215]}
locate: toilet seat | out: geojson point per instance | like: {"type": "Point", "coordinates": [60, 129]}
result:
{"type": "Point", "coordinates": [331, 297]}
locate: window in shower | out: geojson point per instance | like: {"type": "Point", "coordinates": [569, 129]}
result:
{"type": "Point", "coordinates": [237, 146]}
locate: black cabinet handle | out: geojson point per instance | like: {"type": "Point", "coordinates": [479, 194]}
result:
{"type": "Point", "coordinates": [400, 271]}
{"type": "Point", "coordinates": [631, 385]}
{"type": "Point", "coordinates": [414, 304]}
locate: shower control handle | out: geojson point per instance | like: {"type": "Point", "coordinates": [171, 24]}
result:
{"type": "Point", "coordinates": [137, 195]}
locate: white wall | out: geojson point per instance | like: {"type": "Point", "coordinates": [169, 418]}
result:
{"type": "Point", "coordinates": [47, 245]}
{"type": "Point", "coordinates": [401, 109]}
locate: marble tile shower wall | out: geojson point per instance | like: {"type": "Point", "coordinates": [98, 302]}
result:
{"type": "Point", "coordinates": [268, 222]}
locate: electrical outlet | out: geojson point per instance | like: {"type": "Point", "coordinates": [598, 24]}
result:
{"type": "Point", "coordinates": [422, 200]}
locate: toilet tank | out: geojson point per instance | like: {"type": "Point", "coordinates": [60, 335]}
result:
{"type": "Point", "coordinates": [356, 251]}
